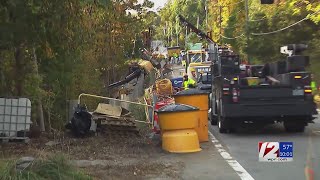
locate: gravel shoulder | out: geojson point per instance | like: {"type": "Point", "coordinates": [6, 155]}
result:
{"type": "Point", "coordinates": [124, 157]}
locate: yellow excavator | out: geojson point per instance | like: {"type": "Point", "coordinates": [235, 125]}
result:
{"type": "Point", "coordinates": [197, 63]}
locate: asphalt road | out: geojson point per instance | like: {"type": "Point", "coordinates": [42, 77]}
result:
{"type": "Point", "coordinates": [243, 146]}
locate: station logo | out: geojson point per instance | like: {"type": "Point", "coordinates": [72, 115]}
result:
{"type": "Point", "coordinates": [275, 151]}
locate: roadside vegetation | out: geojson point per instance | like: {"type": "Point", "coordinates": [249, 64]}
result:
{"type": "Point", "coordinates": [52, 168]}
{"type": "Point", "coordinates": [53, 50]}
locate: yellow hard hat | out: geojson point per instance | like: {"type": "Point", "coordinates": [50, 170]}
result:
{"type": "Point", "coordinates": [192, 69]}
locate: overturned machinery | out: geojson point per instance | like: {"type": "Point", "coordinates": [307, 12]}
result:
{"type": "Point", "coordinates": [135, 71]}
{"type": "Point", "coordinates": [114, 119]}
{"type": "Point", "coordinates": [106, 119]}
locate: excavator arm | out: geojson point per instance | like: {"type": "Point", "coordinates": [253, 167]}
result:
{"type": "Point", "coordinates": [201, 34]}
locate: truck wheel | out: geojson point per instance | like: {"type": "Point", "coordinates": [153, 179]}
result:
{"type": "Point", "coordinates": [213, 118]}
{"type": "Point", "coordinates": [214, 121]}
{"type": "Point", "coordinates": [294, 127]}
{"type": "Point", "coordinates": [222, 125]}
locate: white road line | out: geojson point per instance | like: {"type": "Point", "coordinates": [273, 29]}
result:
{"type": "Point", "coordinates": [242, 173]}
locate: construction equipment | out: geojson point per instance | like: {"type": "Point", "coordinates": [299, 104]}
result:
{"type": "Point", "coordinates": [279, 92]}
{"type": "Point", "coordinates": [203, 56]}
{"type": "Point", "coordinates": [164, 87]}
{"type": "Point", "coordinates": [106, 119]}
{"type": "Point", "coordinates": [135, 71]}
{"type": "Point", "coordinates": [114, 119]}
{"type": "Point", "coordinates": [173, 51]}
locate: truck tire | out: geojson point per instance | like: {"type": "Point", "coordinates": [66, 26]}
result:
{"type": "Point", "coordinates": [221, 121]}
{"type": "Point", "coordinates": [222, 125]}
{"type": "Point", "coordinates": [212, 117]}
{"type": "Point", "coordinates": [213, 121]}
{"type": "Point", "coordinates": [294, 126]}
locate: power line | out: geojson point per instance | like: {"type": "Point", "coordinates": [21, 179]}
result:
{"type": "Point", "coordinates": [285, 28]}
{"type": "Point", "coordinates": [238, 12]}
{"type": "Point", "coordinates": [299, 4]}
{"type": "Point", "coordinates": [256, 20]}
{"type": "Point", "coordinates": [232, 27]}
{"type": "Point", "coordinates": [231, 37]}
{"type": "Point", "coordinates": [231, 4]}
{"type": "Point", "coordinates": [235, 3]}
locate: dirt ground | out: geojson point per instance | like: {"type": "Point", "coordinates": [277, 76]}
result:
{"type": "Point", "coordinates": [111, 156]}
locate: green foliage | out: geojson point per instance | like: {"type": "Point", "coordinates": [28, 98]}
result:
{"type": "Point", "coordinates": [53, 168]}
{"type": "Point", "coordinates": [53, 50]}
{"type": "Point", "coordinates": [169, 28]}
{"type": "Point", "coordinates": [263, 48]}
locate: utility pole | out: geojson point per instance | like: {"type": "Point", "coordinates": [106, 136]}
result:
{"type": "Point", "coordinates": [220, 24]}
{"type": "Point", "coordinates": [171, 29]}
{"type": "Point", "coordinates": [220, 21]}
{"type": "Point", "coordinates": [247, 28]}
{"type": "Point", "coordinates": [206, 8]}
{"type": "Point", "coordinates": [186, 37]}
{"type": "Point", "coordinates": [177, 36]}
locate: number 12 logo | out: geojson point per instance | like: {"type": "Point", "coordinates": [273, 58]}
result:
{"type": "Point", "coordinates": [268, 150]}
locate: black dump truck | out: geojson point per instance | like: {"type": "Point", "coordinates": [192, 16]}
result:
{"type": "Point", "coordinates": [261, 95]}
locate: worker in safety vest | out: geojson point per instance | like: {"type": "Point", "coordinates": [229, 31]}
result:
{"type": "Point", "coordinates": [193, 73]}
{"type": "Point", "coordinates": [313, 85]}
{"type": "Point", "coordinates": [188, 82]}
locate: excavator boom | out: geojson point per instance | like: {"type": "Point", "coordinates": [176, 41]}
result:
{"type": "Point", "coordinates": [196, 30]}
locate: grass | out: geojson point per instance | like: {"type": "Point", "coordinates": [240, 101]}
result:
{"type": "Point", "coordinates": [56, 167]}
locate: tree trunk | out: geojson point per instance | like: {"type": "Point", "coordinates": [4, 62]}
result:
{"type": "Point", "coordinates": [19, 57]}
{"type": "Point", "coordinates": [2, 80]}
{"type": "Point", "coordinates": [39, 99]}
{"type": "Point", "coordinates": [41, 117]}
{"type": "Point", "coordinates": [49, 120]}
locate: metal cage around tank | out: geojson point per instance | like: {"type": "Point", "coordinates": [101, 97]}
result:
{"type": "Point", "coordinates": [15, 118]}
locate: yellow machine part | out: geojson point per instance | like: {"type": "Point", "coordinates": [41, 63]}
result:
{"type": "Point", "coordinates": [317, 99]}
{"type": "Point", "coordinates": [198, 64]}
{"type": "Point", "coordinates": [201, 101]}
{"type": "Point", "coordinates": [252, 81]}
{"type": "Point", "coordinates": [164, 87]}
{"type": "Point", "coordinates": [195, 67]}
{"type": "Point", "coordinates": [173, 51]}
{"type": "Point", "coordinates": [181, 141]}
{"type": "Point", "coordinates": [147, 65]}
{"type": "Point", "coordinates": [178, 120]}
{"type": "Point", "coordinates": [184, 63]}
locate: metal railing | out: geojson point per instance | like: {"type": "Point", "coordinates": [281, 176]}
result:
{"type": "Point", "coordinates": [125, 101]}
